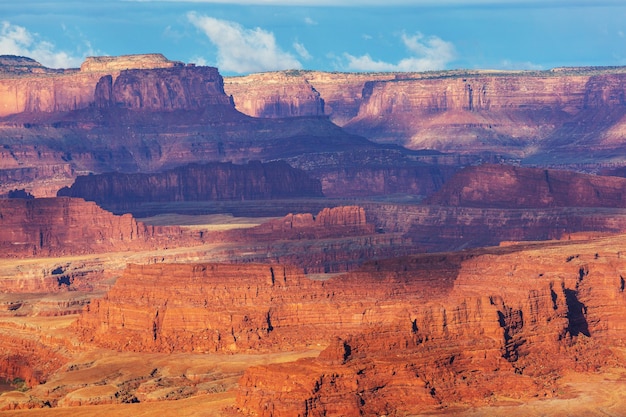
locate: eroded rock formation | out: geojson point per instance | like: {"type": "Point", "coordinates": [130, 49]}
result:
{"type": "Point", "coordinates": [503, 186]}
{"type": "Point", "coordinates": [216, 181]}
{"type": "Point", "coordinates": [64, 226]}
{"type": "Point", "coordinates": [512, 323]}
{"type": "Point", "coordinates": [27, 86]}
{"type": "Point", "coordinates": [276, 95]}
{"type": "Point", "coordinates": [565, 109]}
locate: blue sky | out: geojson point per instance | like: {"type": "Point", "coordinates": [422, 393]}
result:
{"type": "Point", "coordinates": [241, 37]}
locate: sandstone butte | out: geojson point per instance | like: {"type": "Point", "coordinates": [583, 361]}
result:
{"type": "Point", "coordinates": [405, 336]}
{"type": "Point", "coordinates": [197, 182]}
{"type": "Point", "coordinates": [27, 86]}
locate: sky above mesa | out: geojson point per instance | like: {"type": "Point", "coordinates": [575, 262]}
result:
{"type": "Point", "coordinates": [246, 36]}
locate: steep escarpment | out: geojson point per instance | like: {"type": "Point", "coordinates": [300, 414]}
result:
{"type": "Point", "coordinates": [223, 307]}
{"type": "Point", "coordinates": [27, 86]}
{"type": "Point", "coordinates": [404, 335]}
{"type": "Point", "coordinates": [275, 95]}
{"type": "Point", "coordinates": [437, 228]}
{"type": "Point", "coordinates": [488, 204]}
{"type": "Point", "coordinates": [64, 226]}
{"type": "Point", "coordinates": [164, 89]}
{"type": "Point", "coordinates": [271, 94]}
{"type": "Point", "coordinates": [216, 181]}
{"type": "Point", "coordinates": [141, 114]}
{"type": "Point", "coordinates": [502, 186]}
{"type": "Point", "coordinates": [514, 322]}
{"type": "Point", "coordinates": [335, 240]}
{"type": "Point", "coordinates": [518, 114]}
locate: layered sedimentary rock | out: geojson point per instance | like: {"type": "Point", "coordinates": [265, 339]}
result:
{"type": "Point", "coordinates": [512, 322]}
{"type": "Point", "coordinates": [276, 95]}
{"type": "Point", "coordinates": [64, 226]}
{"type": "Point", "coordinates": [341, 93]}
{"type": "Point", "coordinates": [375, 172]}
{"type": "Point", "coordinates": [180, 307]}
{"type": "Point", "coordinates": [27, 86]}
{"type": "Point", "coordinates": [502, 186]}
{"type": "Point", "coordinates": [177, 88]}
{"type": "Point", "coordinates": [437, 228]}
{"type": "Point", "coordinates": [26, 356]}
{"type": "Point", "coordinates": [141, 114]}
{"type": "Point", "coordinates": [515, 113]}
{"type": "Point", "coordinates": [216, 181]}
{"type": "Point", "coordinates": [404, 336]}
{"type": "Point", "coordinates": [335, 240]}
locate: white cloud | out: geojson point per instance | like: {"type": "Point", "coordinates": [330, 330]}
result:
{"type": "Point", "coordinates": [17, 40]}
{"type": "Point", "coordinates": [310, 21]}
{"type": "Point", "coordinates": [301, 50]}
{"type": "Point", "coordinates": [427, 53]}
{"type": "Point", "coordinates": [243, 50]}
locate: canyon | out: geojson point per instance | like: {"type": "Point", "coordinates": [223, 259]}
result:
{"type": "Point", "coordinates": [305, 243]}
{"type": "Point", "coordinates": [538, 117]}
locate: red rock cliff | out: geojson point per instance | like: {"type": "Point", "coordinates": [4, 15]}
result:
{"type": "Point", "coordinates": [514, 321]}
{"type": "Point", "coordinates": [275, 95]}
{"type": "Point", "coordinates": [45, 90]}
{"type": "Point", "coordinates": [64, 226]}
{"type": "Point", "coordinates": [216, 181]}
{"type": "Point", "coordinates": [468, 111]}
{"type": "Point", "coordinates": [511, 187]}
{"type": "Point", "coordinates": [178, 88]}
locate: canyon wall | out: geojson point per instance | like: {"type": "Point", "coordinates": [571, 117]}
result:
{"type": "Point", "coordinates": [216, 181]}
{"type": "Point", "coordinates": [437, 228]}
{"type": "Point", "coordinates": [502, 186]}
{"type": "Point", "coordinates": [403, 336]}
{"type": "Point", "coordinates": [514, 322]}
{"type": "Point", "coordinates": [275, 95]}
{"type": "Point", "coordinates": [141, 114]}
{"type": "Point", "coordinates": [511, 113]}
{"type": "Point", "coordinates": [64, 226]}
{"type": "Point", "coordinates": [163, 89]}
{"type": "Point", "coordinates": [26, 86]}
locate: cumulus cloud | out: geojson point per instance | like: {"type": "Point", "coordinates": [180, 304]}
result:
{"type": "Point", "coordinates": [243, 50]}
{"type": "Point", "coordinates": [426, 54]}
{"type": "Point", "coordinates": [17, 40]}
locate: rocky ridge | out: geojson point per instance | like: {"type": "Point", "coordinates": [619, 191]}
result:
{"type": "Point", "coordinates": [63, 226]}
{"type": "Point", "coordinates": [518, 114]}
{"type": "Point", "coordinates": [512, 322]}
{"type": "Point", "coordinates": [196, 182]}
{"type": "Point", "coordinates": [503, 186]}
{"type": "Point", "coordinates": [459, 328]}
{"type": "Point", "coordinates": [143, 114]}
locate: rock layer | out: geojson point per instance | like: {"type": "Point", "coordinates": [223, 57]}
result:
{"type": "Point", "coordinates": [520, 114]}
{"type": "Point", "coordinates": [502, 186]}
{"type": "Point", "coordinates": [63, 226]}
{"type": "Point", "coordinates": [207, 182]}
{"type": "Point", "coordinates": [512, 323]}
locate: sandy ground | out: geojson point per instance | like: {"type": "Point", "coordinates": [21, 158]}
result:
{"type": "Point", "coordinates": [211, 222]}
